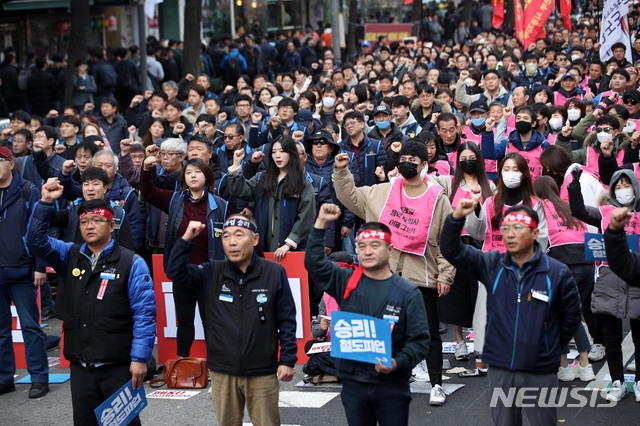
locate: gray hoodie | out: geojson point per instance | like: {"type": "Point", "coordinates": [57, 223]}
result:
{"type": "Point", "coordinates": [634, 182]}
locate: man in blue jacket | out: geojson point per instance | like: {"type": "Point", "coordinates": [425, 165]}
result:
{"type": "Point", "coordinates": [18, 274]}
{"type": "Point", "coordinates": [533, 309]}
{"type": "Point", "coordinates": [106, 302]}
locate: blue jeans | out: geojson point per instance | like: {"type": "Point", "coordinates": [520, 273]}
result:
{"type": "Point", "coordinates": [23, 295]}
{"type": "Point", "coordinates": [365, 404]}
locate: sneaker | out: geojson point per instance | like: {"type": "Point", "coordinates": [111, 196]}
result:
{"type": "Point", "coordinates": [584, 374]}
{"type": "Point", "coordinates": [617, 391]}
{"type": "Point", "coordinates": [597, 352]}
{"type": "Point", "coordinates": [636, 390]}
{"type": "Point", "coordinates": [420, 372]}
{"type": "Point", "coordinates": [7, 387]}
{"type": "Point", "coordinates": [437, 396]}
{"type": "Point", "coordinates": [46, 314]}
{"type": "Point", "coordinates": [38, 390]}
{"type": "Point", "coordinates": [566, 374]}
{"type": "Point", "coordinates": [632, 366]}
{"type": "Point", "coordinates": [443, 328]}
{"type": "Point", "coordinates": [462, 353]}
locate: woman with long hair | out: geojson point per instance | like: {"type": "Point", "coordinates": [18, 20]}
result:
{"type": "Point", "coordinates": [458, 306]}
{"type": "Point", "coordinates": [566, 244]}
{"type": "Point", "coordinates": [157, 129]}
{"type": "Point", "coordinates": [284, 198]}
{"type": "Point", "coordinates": [194, 200]}
{"type": "Point", "coordinates": [514, 187]}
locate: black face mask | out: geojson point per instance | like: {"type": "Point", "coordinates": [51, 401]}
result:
{"type": "Point", "coordinates": [468, 166]}
{"type": "Point", "coordinates": [523, 127]}
{"type": "Point", "coordinates": [408, 170]}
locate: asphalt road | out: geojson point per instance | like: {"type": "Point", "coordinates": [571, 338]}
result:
{"type": "Point", "coordinates": [467, 406]}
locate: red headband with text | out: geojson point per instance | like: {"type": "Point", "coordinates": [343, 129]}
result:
{"type": "Point", "coordinates": [521, 217]}
{"type": "Point", "coordinates": [98, 212]}
{"type": "Point", "coordinates": [371, 233]}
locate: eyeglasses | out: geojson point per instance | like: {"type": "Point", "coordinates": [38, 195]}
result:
{"type": "Point", "coordinates": [561, 59]}
{"type": "Point", "coordinates": [319, 142]}
{"type": "Point", "coordinates": [351, 123]}
{"type": "Point", "coordinates": [229, 137]}
{"type": "Point", "coordinates": [517, 227]}
{"type": "Point", "coordinates": [340, 110]}
{"type": "Point", "coordinates": [603, 129]}
{"type": "Point", "coordinates": [630, 101]}
{"type": "Point", "coordinates": [243, 106]}
{"type": "Point", "coordinates": [5, 159]}
{"type": "Point", "coordinates": [94, 222]}
{"type": "Point", "coordinates": [167, 154]}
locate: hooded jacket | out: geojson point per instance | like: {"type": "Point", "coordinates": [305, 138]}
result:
{"type": "Point", "coordinates": [410, 127]}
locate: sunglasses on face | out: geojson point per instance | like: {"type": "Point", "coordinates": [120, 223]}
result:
{"type": "Point", "coordinates": [604, 129]}
{"type": "Point", "coordinates": [630, 101]}
{"type": "Point", "coordinates": [319, 142]}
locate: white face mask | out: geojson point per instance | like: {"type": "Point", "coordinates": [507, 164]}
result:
{"type": "Point", "coordinates": [468, 82]}
{"type": "Point", "coordinates": [629, 128]}
{"type": "Point", "coordinates": [573, 114]}
{"type": "Point", "coordinates": [511, 179]}
{"type": "Point", "coordinates": [531, 68]}
{"type": "Point", "coordinates": [328, 102]}
{"type": "Point", "coordinates": [625, 196]}
{"type": "Point", "coordinates": [555, 123]}
{"type": "Point", "coordinates": [604, 136]}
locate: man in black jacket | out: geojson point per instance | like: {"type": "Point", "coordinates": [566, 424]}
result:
{"type": "Point", "coordinates": [249, 311]}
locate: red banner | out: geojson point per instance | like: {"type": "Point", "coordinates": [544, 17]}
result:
{"type": "Point", "coordinates": [565, 12]}
{"type": "Point", "coordinates": [519, 21]}
{"type": "Point", "coordinates": [498, 13]}
{"type": "Point", "coordinates": [536, 15]}
{"type": "Point", "coordinates": [166, 324]}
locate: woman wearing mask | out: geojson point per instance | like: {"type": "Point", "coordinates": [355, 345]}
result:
{"type": "Point", "coordinates": [566, 244]}
{"type": "Point", "coordinates": [514, 187]}
{"type": "Point", "coordinates": [284, 199]}
{"type": "Point", "coordinates": [613, 300]}
{"type": "Point", "coordinates": [458, 306]}
{"type": "Point", "coordinates": [576, 110]}
{"type": "Point", "coordinates": [193, 201]}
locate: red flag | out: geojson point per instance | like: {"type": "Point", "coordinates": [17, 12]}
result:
{"type": "Point", "coordinates": [519, 22]}
{"type": "Point", "coordinates": [536, 15]}
{"type": "Point", "coordinates": [565, 12]}
{"type": "Point", "coordinates": [498, 13]}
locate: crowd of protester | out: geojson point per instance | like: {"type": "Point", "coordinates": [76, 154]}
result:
{"type": "Point", "coordinates": [552, 126]}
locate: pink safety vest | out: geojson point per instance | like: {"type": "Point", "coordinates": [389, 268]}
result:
{"type": "Point", "coordinates": [443, 167]}
{"type": "Point", "coordinates": [490, 166]}
{"type": "Point", "coordinates": [631, 228]}
{"type": "Point", "coordinates": [460, 194]}
{"type": "Point", "coordinates": [564, 192]}
{"type": "Point", "coordinates": [559, 98]}
{"type": "Point", "coordinates": [492, 237]}
{"type": "Point", "coordinates": [552, 138]}
{"type": "Point", "coordinates": [331, 305]}
{"type": "Point", "coordinates": [559, 233]}
{"type": "Point", "coordinates": [511, 122]}
{"type": "Point", "coordinates": [593, 156]}
{"type": "Point", "coordinates": [409, 218]}
{"type": "Point", "coordinates": [636, 170]}
{"type": "Point", "coordinates": [532, 157]}
{"type": "Point", "coordinates": [636, 122]}
{"type": "Point", "coordinates": [608, 93]}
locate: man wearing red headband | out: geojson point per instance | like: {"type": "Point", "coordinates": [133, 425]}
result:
{"type": "Point", "coordinates": [533, 309]}
{"type": "Point", "coordinates": [372, 393]}
{"type": "Point", "coordinates": [106, 301]}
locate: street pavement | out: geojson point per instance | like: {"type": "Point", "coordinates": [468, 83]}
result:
{"type": "Point", "coordinates": [316, 405]}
